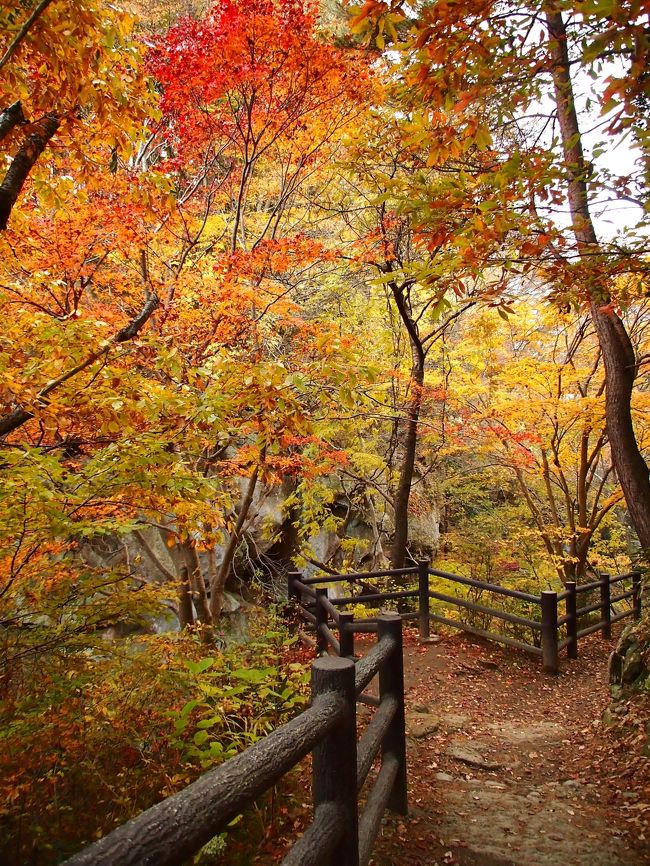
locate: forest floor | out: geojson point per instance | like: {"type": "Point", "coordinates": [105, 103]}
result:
{"type": "Point", "coordinates": [509, 766]}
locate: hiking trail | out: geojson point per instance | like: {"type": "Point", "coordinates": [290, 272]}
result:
{"type": "Point", "coordinates": [509, 766]}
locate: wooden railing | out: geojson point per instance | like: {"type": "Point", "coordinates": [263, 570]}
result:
{"type": "Point", "coordinates": [321, 611]}
{"type": "Point", "coordinates": [175, 829]}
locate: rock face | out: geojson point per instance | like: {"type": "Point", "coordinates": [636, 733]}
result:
{"type": "Point", "coordinates": [270, 544]}
{"type": "Point", "coordinates": [629, 672]}
{"type": "Point", "coordinates": [629, 664]}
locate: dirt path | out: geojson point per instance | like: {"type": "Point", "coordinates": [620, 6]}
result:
{"type": "Point", "coordinates": [511, 767]}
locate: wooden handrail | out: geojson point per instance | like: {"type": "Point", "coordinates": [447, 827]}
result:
{"type": "Point", "coordinates": [375, 808]}
{"type": "Point", "coordinates": [367, 626]}
{"type": "Point", "coordinates": [597, 626]}
{"type": "Point", "coordinates": [172, 831]}
{"type": "Point", "coordinates": [588, 608]}
{"type": "Point", "coordinates": [549, 625]}
{"type": "Point", "coordinates": [320, 839]}
{"type": "Point", "coordinates": [629, 575]}
{"type": "Point", "coordinates": [480, 608]}
{"type": "Point", "coordinates": [491, 587]}
{"type": "Point", "coordinates": [629, 594]}
{"type": "Point", "coordinates": [328, 604]}
{"type": "Point", "coordinates": [588, 587]}
{"type": "Point", "coordinates": [368, 667]}
{"type": "Point", "coordinates": [361, 575]}
{"type": "Point", "coordinates": [488, 635]}
{"type": "Point", "coordinates": [375, 596]}
{"type": "Point", "coordinates": [327, 633]}
{"type": "Point", "coordinates": [372, 737]}
{"type": "Point", "coordinates": [301, 586]}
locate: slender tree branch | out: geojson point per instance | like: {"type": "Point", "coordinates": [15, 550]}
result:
{"type": "Point", "coordinates": [19, 416]}
{"type": "Point", "coordinates": [24, 30]}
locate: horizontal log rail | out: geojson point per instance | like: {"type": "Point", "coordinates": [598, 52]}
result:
{"type": "Point", "coordinates": [307, 615]}
{"type": "Point", "coordinates": [588, 608]}
{"type": "Point", "coordinates": [487, 635]}
{"type": "Point", "coordinates": [378, 801]}
{"type": "Point", "coordinates": [588, 587]}
{"type": "Point", "coordinates": [367, 667]}
{"type": "Point", "coordinates": [481, 608]}
{"type": "Point", "coordinates": [174, 830]}
{"type": "Point", "coordinates": [619, 616]}
{"type": "Point", "coordinates": [319, 841]}
{"type": "Point", "coordinates": [360, 626]}
{"type": "Point", "coordinates": [302, 588]}
{"type": "Point", "coordinates": [548, 626]}
{"type": "Point", "coordinates": [306, 640]}
{"type": "Point", "coordinates": [490, 587]}
{"type": "Point", "coordinates": [597, 626]}
{"type": "Point", "coordinates": [326, 632]}
{"type": "Point", "coordinates": [360, 575]}
{"type": "Point", "coordinates": [368, 699]}
{"type": "Point", "coordinates": [375, 596]}
{"type": "Point", "coordinates": [629, 575]}
{"type": "Point", "coordinates": [373, 736]}
{"type": "Point", "coordinates": [623, 596]}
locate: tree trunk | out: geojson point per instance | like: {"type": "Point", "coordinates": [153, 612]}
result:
{"type": "Point", "coordinates": [217, 586]}
{"type": "Point", "coordinates": [403, 492]}
{"type": "Point", "coordinates": [197, 585]}
{"type": "Point", "coordinates": [11, 117]}
{"type": "Point", "coordinates": [615, 343]}
{"type": "Point", "coordinates": [23, 162]}
{"type": "Point", "coordinates": [185, 611]}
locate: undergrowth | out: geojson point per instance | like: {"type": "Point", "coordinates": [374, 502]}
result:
{"type": "Point", "coordinates": [91, 737]}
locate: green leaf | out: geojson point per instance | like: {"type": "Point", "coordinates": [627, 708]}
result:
{"type": "Point", "coordinates": [200, 666]}
{"type": "Point", "coordinates": [253, 675]}
{"type": "Point", "coordinates": [209, 723]}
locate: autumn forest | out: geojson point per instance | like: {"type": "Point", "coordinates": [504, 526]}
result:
{"type": "Point", "coordinates": [295, 285]}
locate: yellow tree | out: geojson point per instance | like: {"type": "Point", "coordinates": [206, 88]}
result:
{"type": "Point", "coordinates": [533, 399]}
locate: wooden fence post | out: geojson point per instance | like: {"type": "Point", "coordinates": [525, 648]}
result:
{"type": "Point", "coordinates": [291, 590]}
{"type": "Point", "coordinates": [423, 597]}
{"type": "Point", "coordinates": [334, 766]}
{"type": "Point", "coordinates": [549, 632]}
{"type": "Point", "coordinates": [391, 683]}
{"type": "Point", "coordinates": [636, 600]}
{"type": "Point", "coordinates": [606, 606]}
{"type": "Point", "coordinates": [321, 619]}
{"type": "Point", "coordinates": [346, 635]}
{"type": "Point", "coordinates": [572, 620]}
